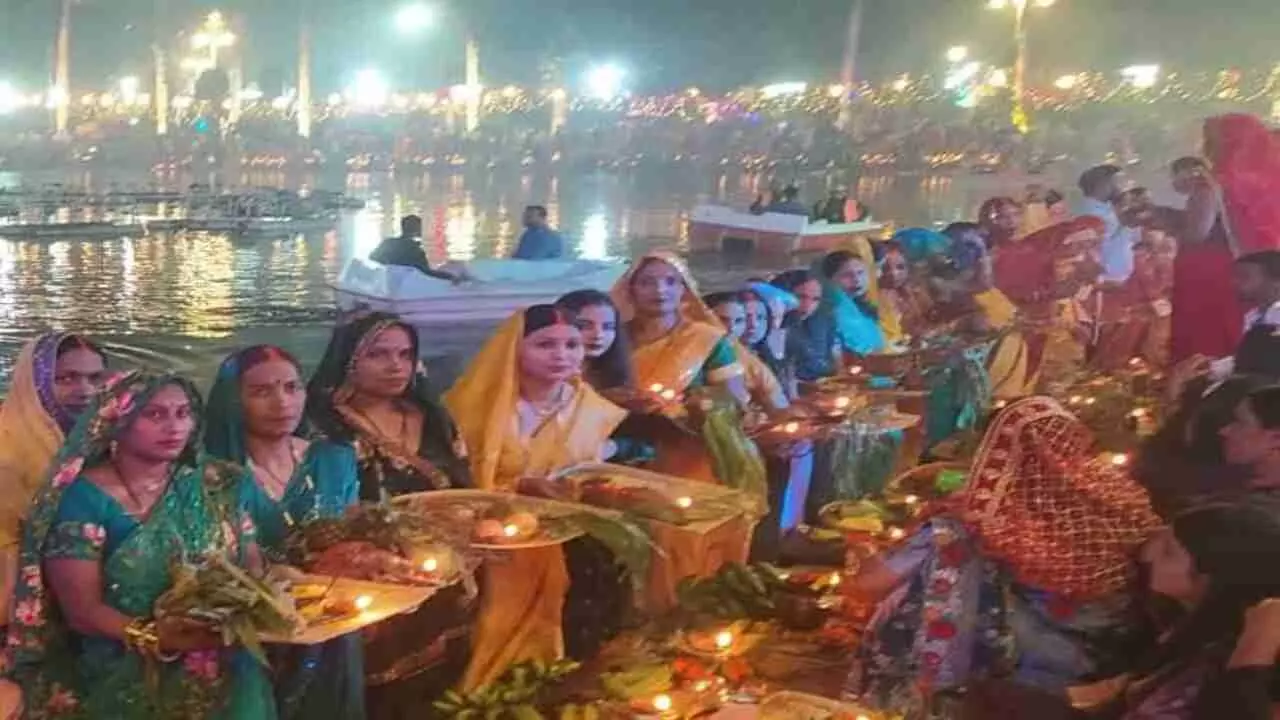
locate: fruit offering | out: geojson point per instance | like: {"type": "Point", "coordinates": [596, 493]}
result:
{"type": "Point", "coordinates": [737, 591]}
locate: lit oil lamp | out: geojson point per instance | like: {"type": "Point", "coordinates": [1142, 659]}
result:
{"type": "Point", "coordinates": [724, 641]}
{"type": "Point", "coordinates": [855, 370]}
{"type": "Point", "coordinates": [510, 530]}
{"type": "Point", "coordinates": [897, 533]}
{"type": "Point", "coordinates": [662, 703]}
{"type": "Point", "coordinates": [1119, 459]}
{"type": "Point", "coordinates": [430, 565]}
{"type": "Point", "coordinates": [363, 602]}
{"type": "Point", "coordinates": [684, 502]}
{"type": "Point", "coordinates": [791, 428]}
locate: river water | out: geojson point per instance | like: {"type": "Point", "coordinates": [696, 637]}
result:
{"type": "Point", "coordinates": [183, 302]}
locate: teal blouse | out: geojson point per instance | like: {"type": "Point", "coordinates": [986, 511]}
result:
{"type": "Point", "coordinates": [324, 486]}
{"type": "Point", "coordinates": [721, 355]}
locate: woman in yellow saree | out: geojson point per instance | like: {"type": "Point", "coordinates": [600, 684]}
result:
{"type": "Point", "coordinates": [677, 344]}
{"type": "Point", "coordinates": [54, 380]}
{"type": "Point", "coordinates": [524, 413]}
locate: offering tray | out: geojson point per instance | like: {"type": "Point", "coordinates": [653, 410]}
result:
{"type": "Point", "coordinates": [699, 507]}
{"type": "Point", "coordinates": [355, 604]}
{"type": "Point", "coordinates": [521, 521]}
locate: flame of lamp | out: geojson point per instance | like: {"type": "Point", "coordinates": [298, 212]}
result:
{"type": "Point", "coordinates": [724, 640]}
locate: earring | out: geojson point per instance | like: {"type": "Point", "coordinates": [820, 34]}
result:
{"type": "Point", "coordinates": [111, 449]}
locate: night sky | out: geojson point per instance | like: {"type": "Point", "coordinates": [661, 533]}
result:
{"type": "Point", "coordinates": [665, 44]}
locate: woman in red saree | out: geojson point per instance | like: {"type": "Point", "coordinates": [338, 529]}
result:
{"type": "Point", "coordinates": [1230, 211]}
{"type": "Point", "coordinates": [1042, 274]}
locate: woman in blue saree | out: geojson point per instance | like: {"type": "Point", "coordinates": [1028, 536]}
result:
{"type": "Point", "coordinates": [128, 496]}
{"type": "Point", "coordinates": [255, 410]}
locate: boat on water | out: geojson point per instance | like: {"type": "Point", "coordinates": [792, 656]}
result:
{"type": "Point", "coordinates": [259, 227]}
{"type": "Point", "coordinates": [494, 288]}
{"type": "Point", "coordinates": [71, 231]}
{"type": "Point", "coordinates": [716, 228]}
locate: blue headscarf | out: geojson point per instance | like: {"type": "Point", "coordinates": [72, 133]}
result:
{"type": "Point", "coordinates": [920, 244]}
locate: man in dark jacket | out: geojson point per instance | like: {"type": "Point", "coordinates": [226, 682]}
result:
{"type": "Point", "coordinates": [406, 250]}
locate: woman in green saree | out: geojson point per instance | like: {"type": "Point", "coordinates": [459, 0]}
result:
{"type": "Point", "coordinates": [128, 496]}
{"type": "Point", "coordinates": [255, 410]}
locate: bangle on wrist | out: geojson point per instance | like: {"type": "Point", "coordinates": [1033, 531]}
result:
{"type": "Point", "coordinates": [141, 637]}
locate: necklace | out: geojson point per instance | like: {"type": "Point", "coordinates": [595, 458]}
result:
{"type": "Point", "coordinates": [139, 508]}
{"type": "Point", "coordinates": [404, 424]}
{"type": "Point", "coordinates": [278, 483]}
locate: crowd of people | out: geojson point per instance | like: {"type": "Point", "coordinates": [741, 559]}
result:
{"type": "Point", "coordinates": [1056, 582]}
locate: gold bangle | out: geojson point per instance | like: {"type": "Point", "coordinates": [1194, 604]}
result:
{"type": "Point", "coordinates": [141, 637]}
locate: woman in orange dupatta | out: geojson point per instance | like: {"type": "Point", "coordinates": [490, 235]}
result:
{"type": "Point", "coordinates": [677, 344]}
{"type": "Point", "coordinates": [1043, 274]}
{"type": "Point", "coordinates": [524, 412]}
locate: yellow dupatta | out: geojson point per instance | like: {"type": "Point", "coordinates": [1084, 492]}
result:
{"type": "Point", "coordinates": [673, 361]}
{"type": "Point", "coordinates": [29, 438]}
{"type": "Point", "coordinates": [520, 615]}
{"type": "Point", "coordinates": [1007, 364]}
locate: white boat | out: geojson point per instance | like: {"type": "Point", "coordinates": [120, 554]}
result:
{"type": "Point", "coordinates": [494, 289]}
{"type": "Point", "coordinates": [715, 228]}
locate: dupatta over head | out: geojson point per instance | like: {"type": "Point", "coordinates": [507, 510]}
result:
{"type": "Point", "coordinates": [40, 649]}
{"type": "Point", "coordinates": [1246, 164]}
{"type": "Point", "coordinates": [673, 361]}
{"type": "Point", "coordinates": [329, 391]}
{"type": "Point", "coordinates": [32, 428]}
{"type": "Point", "coordinates": [1041, 501]}
{"type": "Point", "coordinates": [484, 403]}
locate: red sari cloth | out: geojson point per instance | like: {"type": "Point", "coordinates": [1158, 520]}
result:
{"type": "Point", "coordinates": [1246, 165]}
{"type": "Point", "coordinates": [1028, 271]}
{"type": "Point", "coordinates": [1207, 318]}
{"type": "Point", "coordinates": [1133, 319]}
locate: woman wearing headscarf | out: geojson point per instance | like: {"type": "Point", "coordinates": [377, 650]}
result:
{"type": "Point", "coordinates": [812, 345]}
{"type": "Point", "coordinates": [54, 380]}
{"type": "Point", "coordinates": [905, 305]}
{"type": "Point", "coordinates": [851, 296]}
{"type": "Point", "coordinates": [369, 391]}
{"type": "Point", "coordinates": [525, 413]}
{"type": "Point", "coordinates": [1002, 221]}
{"type": "Point", "coordinates": [765, 388]}
{"type": "Point", "coordinates": [1024, 576]}
{"type": "Point", "coordinates": [128, 494]}
{"type": "Point", "coordinates": [677, 344]}
{"type": "Point", "coordinates": [971, 289]}
{"type": "Point", "coordinates": [1044, 274]}
{"type": "Point", "coordinates": [1231, 211]}
{"type": "Point", "coordinates": [254, 419]}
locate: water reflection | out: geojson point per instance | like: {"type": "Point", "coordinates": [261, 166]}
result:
{"type": "Point", "coordinates": [184, 299]}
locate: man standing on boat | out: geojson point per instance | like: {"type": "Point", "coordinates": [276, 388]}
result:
{"type": "Point", "coordinates": [406, 250]}
{"type": "Point", "coordinates": [538, 241]}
